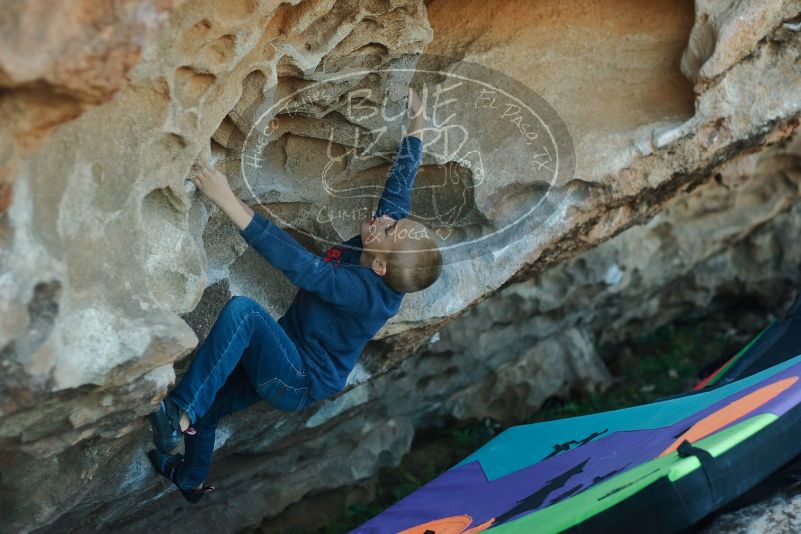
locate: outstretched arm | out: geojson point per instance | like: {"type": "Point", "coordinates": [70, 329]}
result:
{"type": "Point", "coordinates": [418, 121]}
{"type": "Point", "coordinates": [214, 185]}
{"type": "Point", "coordinates": [396, 200]}
{"type": "Point", "coordinates": [338, 286]}
{"type": "Point", "coordinates": [306, 270]}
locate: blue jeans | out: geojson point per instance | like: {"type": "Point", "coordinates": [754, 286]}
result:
{"type": "Point", "coordinates": [246, 357]}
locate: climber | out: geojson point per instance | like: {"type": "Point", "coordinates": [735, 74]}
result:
{"type": "Point", "coordinates": [343, 299]}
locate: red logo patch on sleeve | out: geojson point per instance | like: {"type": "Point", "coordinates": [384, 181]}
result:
{"type": "Point", "coordinates": [332, 255]}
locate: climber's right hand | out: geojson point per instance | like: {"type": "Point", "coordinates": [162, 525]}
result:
{"type": "Point", "coordinates": [415, 104]}
{"type": "Point", "coordinates": [417, 116]}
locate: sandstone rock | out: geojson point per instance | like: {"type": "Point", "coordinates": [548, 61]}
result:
{"type": "Point", "coordinates": [725, 32]}
{"type": "Point", "coordinates": [56, 60]}
{"type": "Point", "coordinates": [777, 515]}
{"type": "Point", "coordinates": [540, 369]}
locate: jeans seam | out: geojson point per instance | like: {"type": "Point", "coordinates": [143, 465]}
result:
{"type": "Point", "coordinates": [304, 389]}
{"type": "Point", "coordinates": [302, 399]}
{"type": "Point", "coordinates": [259, 386]}
{"type": "Point", "coordinates": [220, 359]}
{"type": "Point", "coordinates": [281, 346]}
{"type": "Point", "coordinates": [284, 383]}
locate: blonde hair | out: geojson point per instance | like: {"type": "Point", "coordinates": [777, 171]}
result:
{"type": "Point", "coordinates": [414, 265]}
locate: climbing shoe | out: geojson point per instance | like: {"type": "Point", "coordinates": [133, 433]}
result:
{"type": "Point", "coordinates": [166, 465]}
{"type": "Point", "coordinates": [166, 425]}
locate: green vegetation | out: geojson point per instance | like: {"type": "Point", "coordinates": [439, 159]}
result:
{"type": "Point", "coordinates": [663, 363]}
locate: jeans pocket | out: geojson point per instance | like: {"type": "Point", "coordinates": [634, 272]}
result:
{"type": "Point", "coordinates": [282, 396]}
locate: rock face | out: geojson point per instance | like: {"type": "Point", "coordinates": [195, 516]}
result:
{"type": "Point", "coordinates": [111, 268]}
{"type": "Point", "coordinates": [54, 64]}
{"type": "Point", "coordinates": [778, 515]}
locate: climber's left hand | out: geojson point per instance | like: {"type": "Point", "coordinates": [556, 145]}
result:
{"type": "Point", "coordinates": [213, 184]}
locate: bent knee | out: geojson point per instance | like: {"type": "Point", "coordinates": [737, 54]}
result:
{"type": "Point", "coordinates": [240, 305]}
